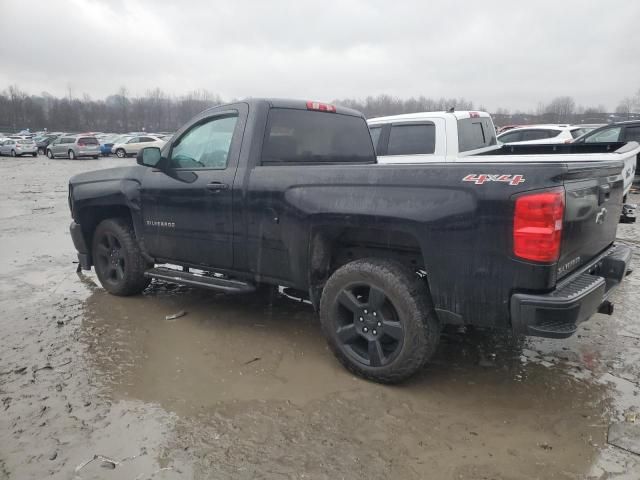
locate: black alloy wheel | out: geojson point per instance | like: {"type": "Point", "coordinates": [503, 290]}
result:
{"type": "Point", "coordinates": [110, 258]}
{"type": "Point", "coordinates": [368, 326]}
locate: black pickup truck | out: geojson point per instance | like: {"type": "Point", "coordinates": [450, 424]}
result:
{"type": "Point", "coordinates": [289, 193]}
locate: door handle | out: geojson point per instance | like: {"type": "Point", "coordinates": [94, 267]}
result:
{"type": "Point", "coordinates": [217, 186]}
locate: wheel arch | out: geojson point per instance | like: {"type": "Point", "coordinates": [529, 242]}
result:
{"type": "Point", "coordinates": [94, 202]}
{"type": "Point", "coordinates": [331, 247]}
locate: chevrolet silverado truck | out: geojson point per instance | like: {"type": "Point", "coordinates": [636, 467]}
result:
{"type": "Point", "coordinates": [288, 193]}
{"type": "Point", "coordinates": [433, 137]}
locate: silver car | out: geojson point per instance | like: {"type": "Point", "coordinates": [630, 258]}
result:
{"type": "Point", "coordinates": [73, 147]}
{"type": "Point", "coordinates": [17, 147]}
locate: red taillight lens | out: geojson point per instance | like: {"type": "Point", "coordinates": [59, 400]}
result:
{"type": "Point", "coordinates": [323, 107]}
{"type": "Point", "coordinates": [537, 226]}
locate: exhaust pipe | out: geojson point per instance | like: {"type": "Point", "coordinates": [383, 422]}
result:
{"type": "Point", "coordinates": [606, 307]}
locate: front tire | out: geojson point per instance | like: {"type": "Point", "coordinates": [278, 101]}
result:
{"type": "Point", "coordinates": [72, 155]}
{"type": "Point", "coordinates": [41, 151]}
{"type": "Point", "coordinates": [118, 261]}
{"type": "Point", "coordinates": [378, 320]}
{"type": "Point", "coordinates": [13, 153]}
{"type": "Point", "coordinates": [49, 154]}
{"type": "Point", "coordinates": [120, 153]}
{"type": "Point", "coordinates": [34, 154]}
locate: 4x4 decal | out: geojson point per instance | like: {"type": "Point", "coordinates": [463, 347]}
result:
{"type": "Point", "coordinates": [482, 178]}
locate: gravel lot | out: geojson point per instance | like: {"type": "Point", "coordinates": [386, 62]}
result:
{"type": "Point", "coordinates": [96, 386]}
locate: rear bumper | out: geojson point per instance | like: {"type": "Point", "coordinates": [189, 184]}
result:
{"type": "Point", "coordinates": [88, 152]}
{"type": "Point", "coordinates": [84, 256]}
{"type": "Point", "coordinates": [556, 314]}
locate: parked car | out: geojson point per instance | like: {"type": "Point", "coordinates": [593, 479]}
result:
{"type": "Point", "coordinates": [540, 134]}
{"type": "Point", "coordinates": [426, 137]}
{"type": "Point", "coordinates": [18, 147]}
{"type": "Point", "coordinates": [73, 147]}
{"type": "Point", "coordinates": [286, 192]}
{"type": "Point", "coordinates": [135, 144]}
{"type": "Point", "coordinates": [43, 141]}
{"type": "Point", "coordinates": [106, 142]}
{"type": "Point", "coordinates": [616, 132]}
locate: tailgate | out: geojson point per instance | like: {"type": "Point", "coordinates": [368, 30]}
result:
{"type": "Point", "coordinates": [593, 204]}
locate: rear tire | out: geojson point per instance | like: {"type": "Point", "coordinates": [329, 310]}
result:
{"type": "Point", "coordinates": [72, 155]}
{"type": "Point", "coordinates": [399, 330]}
{"type": "Point", "coordinates": [34, 154]}
{"type": "Point", "coordinates": [13, 153]}
{"type": "Point", "coordinates": [49, 154]}
{"type": "Point", "coordinates": [41, 151]}
{"type": "Point", "coordinates": [95, 157]}
{"type": "Point", "coordinates": [117, 258]}
{"type": "Point", "coordinates": [120, 153]}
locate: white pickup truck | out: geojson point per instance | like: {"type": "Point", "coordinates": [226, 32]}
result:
{"type": "Point", "coordinates": [464, 136]}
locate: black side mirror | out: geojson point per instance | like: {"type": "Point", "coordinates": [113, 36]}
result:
{"type": "Point", "coordinates": [149, 157]}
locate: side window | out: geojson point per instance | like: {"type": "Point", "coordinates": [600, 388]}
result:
{"type": "Point", "coordinates": [607, 135]}
{"type": "Point", "coordinates": [206, 145]}
{"type": "Point", "coordinates": [535, 134]}
{"type": "Point", "coordinates": [134, 140]}
{"type": "Point", "coordinates": [375, 136]}
{"type": "Point", "coordinates": [412, 139]}
{"type": "Point", "coordinates": [147, 139]}
{"type": "Point", "coordinates": [552, 133]}
{"type": "Point", "coordinates": [511, 137]}
{"type": "Point", "coordinates": [632, 134]}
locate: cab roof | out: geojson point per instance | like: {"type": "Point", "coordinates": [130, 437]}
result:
{"type": "Point", "coordinates": [459, 115]}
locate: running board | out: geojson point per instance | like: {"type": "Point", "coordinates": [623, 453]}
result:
{"type": "Point", "coordinates": [212, 283]}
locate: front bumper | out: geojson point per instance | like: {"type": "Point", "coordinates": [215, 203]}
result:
{"type": "Point", "coordinates": [556, 314]}
{"type": "Point", "coordinates": [84, 256]}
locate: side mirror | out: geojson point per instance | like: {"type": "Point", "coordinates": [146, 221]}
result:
{"type": "Point", "coordinates": [149, 157]}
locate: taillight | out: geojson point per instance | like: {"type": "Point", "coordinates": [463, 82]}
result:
{"type": "Point", "coordinates": [322, 107]}
{"type": "Point", "coordinates": [537, 226]}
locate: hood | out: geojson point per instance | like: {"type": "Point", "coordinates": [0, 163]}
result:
{"type": "Point", "coordinates": [108, 174]}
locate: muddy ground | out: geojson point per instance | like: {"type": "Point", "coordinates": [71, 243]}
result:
{"type": "Point", "coordinates": [244, 387]}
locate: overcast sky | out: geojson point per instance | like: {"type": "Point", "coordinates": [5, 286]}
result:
{"type": "Point", "coordinates": [496, 53]}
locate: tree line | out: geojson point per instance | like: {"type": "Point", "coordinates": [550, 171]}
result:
{"type": "Point", "coordinates": [158, 111]}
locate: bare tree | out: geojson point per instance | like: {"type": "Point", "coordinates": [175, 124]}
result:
{"type": "Point", "coordinates": [561, 109]}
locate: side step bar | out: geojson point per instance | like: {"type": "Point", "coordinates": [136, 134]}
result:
{"type": "Point", "coordinates": [212, 283]}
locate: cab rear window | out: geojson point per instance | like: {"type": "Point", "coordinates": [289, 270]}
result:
{"type": "Point", "coordinates": [474, 133]}
{"type": "Point", "coordinates": [310, 137]}
{"type": "Point", "coordinates": [412, 139]}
